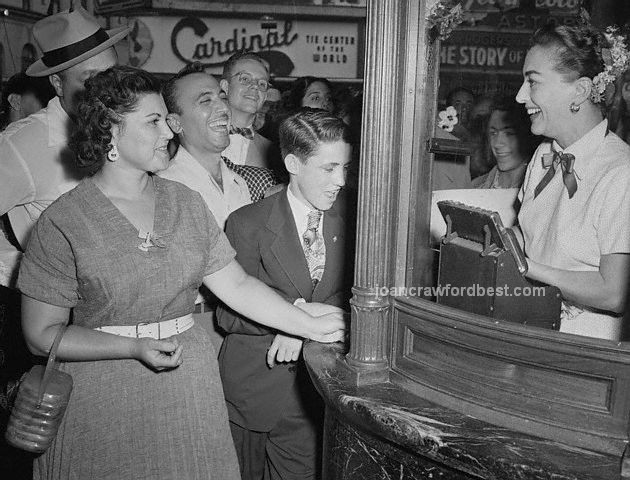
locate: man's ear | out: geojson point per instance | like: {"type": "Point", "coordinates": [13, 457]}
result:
{"type": "Point", "coordinates": [172, 119]}
{"type": "Point", "coordinates": [292, 164]}
{"type": "Point", "coordinates": [57, 83]}
{"type": "Point", "coordinates": [625, 91]}
{"type": "Point", "coordinates": [225, 85]}
{"type": "Point", "coordinates": [583, 86]}
{"type": "Point", "coordinates": [15, 100]}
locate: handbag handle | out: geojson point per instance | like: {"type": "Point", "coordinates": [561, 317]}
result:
{"type": "Point", "coordinates": [50, 365]}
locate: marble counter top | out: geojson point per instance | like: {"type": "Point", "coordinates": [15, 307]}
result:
{"type": "Point", "coordinates": [460, 442]}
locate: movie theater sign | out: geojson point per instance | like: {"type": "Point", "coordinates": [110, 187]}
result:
{"type": "Point", "coordinates": [484, 50]}
{"type": "Point", "coordinates": [292, 47]}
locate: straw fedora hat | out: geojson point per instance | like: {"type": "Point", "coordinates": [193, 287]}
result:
{"type": "Point", "coordinates": [68, 38]}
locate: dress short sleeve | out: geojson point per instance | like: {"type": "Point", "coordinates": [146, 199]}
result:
{"type": "Point", "coordinates": [48, 269]}
{"type": "Point", "coordinates": [613, 223]}
{"type": "Point", "coordinates": [221, 252]}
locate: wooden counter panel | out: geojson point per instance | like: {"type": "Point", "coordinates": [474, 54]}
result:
{"type": "Point", "coordinates": [502, 368]}
{"type": "Point", "coordinates": [560, 386]}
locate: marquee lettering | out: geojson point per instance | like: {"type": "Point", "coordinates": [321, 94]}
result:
{"type": "Point", "coordinates": [221, 48]}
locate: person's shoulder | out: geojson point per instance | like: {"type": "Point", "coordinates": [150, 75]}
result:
{"type": "Point", "coordinates": [615, 156]}
{"type": "Point", "coordinates": [67, 207]}
{"type": "Point", "coordinates": [616, 147]}
{"type": "Point", "coordinates": [179, 167]}
{"type": "Point", "coordinates": [27, 130]}
{"type": "Point", "coordinates": [543, 147]}
{"type": "Point", "coordinates": [477, 182]}
{"type": "Point", "coordinates": [262, 141]}
{"type": "Point", "coordinates": [175, 188]}
{"type": "Point", "coordinates": [182, 199]}
{"type": "Point", "coordinates": [258, 212]}
{"type": "Point", "coordinates": [262, 138]}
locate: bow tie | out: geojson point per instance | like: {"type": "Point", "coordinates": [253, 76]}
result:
{"type": "Point", "coordinates": [551, 161]}
{"type": "Point", "coordinates": [246, 132]}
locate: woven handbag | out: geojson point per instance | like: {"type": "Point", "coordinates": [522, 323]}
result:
{"type": "Point", "coordinates": [40, 404]}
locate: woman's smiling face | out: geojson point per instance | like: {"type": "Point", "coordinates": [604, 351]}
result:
{"type": "Point", "coordinates": [546, 94]}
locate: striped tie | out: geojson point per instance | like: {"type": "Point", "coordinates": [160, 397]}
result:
{"type": "Point", "coordinates": [314, 247]}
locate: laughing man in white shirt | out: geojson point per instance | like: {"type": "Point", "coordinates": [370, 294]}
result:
{"type": "Point", "coordinates": [199, 116]}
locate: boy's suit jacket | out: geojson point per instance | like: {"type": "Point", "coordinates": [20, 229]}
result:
{"type": "Point", "coordinates": [267, 246]}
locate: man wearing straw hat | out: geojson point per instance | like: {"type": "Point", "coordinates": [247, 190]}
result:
{"type": "Point", "coordinates": [36, 165]}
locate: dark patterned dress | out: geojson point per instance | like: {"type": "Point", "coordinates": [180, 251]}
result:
{"type": "Point", "coordinates": [125, 421]}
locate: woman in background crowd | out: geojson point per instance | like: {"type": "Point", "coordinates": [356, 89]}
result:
{"type": "Point", "coordinates": [462, 100]}
{"type": "Point", "coordinates": [575, 213]}
{"type": "Point", "coordinates": [126, 252]}
{"type": "Point", "coordinates": [312, 92]}
{"type": "Point", "coordinates": [481, 160]}
{"type": "Point", "coordinates": [22, 96]}
{"type": "Point", "coordinates": [511, 143]}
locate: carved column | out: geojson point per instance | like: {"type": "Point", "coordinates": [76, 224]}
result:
{"type": "Point", "coordinates": [378, 189]}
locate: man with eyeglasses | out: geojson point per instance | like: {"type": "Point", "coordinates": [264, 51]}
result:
{"type": "Point", "coordinates": [245, 80]}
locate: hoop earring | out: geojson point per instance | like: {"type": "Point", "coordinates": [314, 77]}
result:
{"type": "Point", "coordinates": [113, 154]}
{"type": "Point", "coordinates": [574, 108]}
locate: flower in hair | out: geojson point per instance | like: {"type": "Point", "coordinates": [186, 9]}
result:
{"type": "Point", "coordinates": [443, 17]}
{"type": "Point", "coordinates": [616, 61]}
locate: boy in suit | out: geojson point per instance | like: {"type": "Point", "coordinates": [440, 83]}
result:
{"type": "Point", "coordinates": [294, 241]}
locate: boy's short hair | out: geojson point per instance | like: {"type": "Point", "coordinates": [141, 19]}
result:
{"type": "Point", "coordinates": [303, 132]}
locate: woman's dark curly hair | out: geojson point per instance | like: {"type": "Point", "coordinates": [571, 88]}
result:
{"type": "Point", "coordinates": [292, 102]}
{"type": "Point", "coordinates": [578, 49]}
{"type": "Point", "coordinates": [108, 96]}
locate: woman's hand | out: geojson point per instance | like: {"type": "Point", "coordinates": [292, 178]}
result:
{"type": "Point", "coordinates": [316, 309]}
{"type": "Point", "coordinates": [254, 300]}
{"type": "Point", "coordinates": [329, 328]}
{"type": "Point", "coordinates": [159, 354]}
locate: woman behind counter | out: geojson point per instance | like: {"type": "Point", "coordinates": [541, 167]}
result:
{"type": "Point", "coordinates": [122, 250]}
{"type": "Point", "coordinates": [575, 214]}
{"type": "Point", "coordinates": [511, 143]}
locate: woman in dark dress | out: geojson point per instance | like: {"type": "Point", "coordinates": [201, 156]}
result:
{"type": "Point", "coordinates": [125, 252]}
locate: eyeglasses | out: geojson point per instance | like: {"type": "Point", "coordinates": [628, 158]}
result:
{"type": "Point", "coordinates": [247, 80]}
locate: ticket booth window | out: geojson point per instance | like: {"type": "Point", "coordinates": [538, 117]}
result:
{"type": "Point", "coordinates": [474, 70]}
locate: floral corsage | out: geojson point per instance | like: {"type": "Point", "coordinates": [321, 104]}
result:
{"type": "Point", "coordinates": [616, 60]}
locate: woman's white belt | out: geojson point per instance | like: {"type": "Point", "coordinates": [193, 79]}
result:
{"type": "Point", "coordinates": [157, 330]}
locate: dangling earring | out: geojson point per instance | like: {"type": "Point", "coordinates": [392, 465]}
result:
{"type": "Point", "coordinates": [113, 154]}
{"type": "Point", "coordinates": [574, 108]}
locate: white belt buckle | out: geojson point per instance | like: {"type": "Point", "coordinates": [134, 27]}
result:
{"type": "Point", "coordinates": [151, 330]}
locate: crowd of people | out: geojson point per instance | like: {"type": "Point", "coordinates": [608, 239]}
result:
{"type": "Point", "coordinates": [191, 255]}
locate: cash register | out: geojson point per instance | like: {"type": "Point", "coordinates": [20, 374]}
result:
{"type": "Point", "coordinates": [482, 270]}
